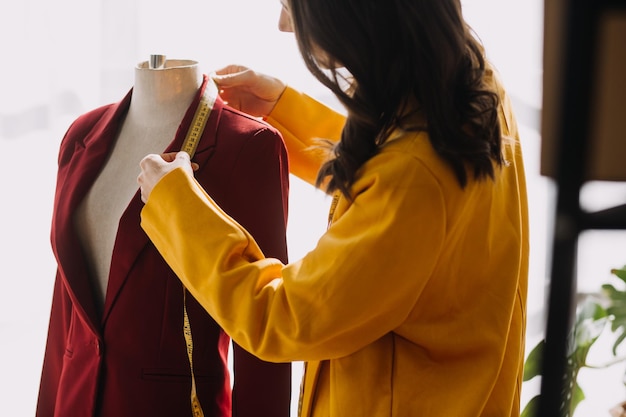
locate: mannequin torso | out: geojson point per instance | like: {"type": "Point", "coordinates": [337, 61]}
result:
{"type": "Point", "coordinates": [160, 98]}
{"type": "Point", "coordinates": [116, 345]}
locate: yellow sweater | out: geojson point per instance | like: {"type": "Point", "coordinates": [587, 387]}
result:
{"type": "Point", "coordinates": [413, 303]}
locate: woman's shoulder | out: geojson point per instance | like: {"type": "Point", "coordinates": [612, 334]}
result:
{"type": "Point", "coordinates": [409, 157]}
{"type": "Point", "coordinates": [508, 122]}
{"type": "Point", "coordinates": [410, 147]}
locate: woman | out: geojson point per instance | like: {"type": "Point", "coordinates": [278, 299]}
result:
{"type": "Point", "coordinates": [413, 302]}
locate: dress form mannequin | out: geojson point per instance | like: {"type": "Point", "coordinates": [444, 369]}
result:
{"type": "Point", "coordinates": [160, 98]}
{"type": "Point", "coordinates": [115, 344]}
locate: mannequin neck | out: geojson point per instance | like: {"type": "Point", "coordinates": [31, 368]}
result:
{"type": "Point", "coordinates": [162, 96]}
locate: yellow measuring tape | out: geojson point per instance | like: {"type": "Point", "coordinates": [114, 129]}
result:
{"type": "Point", "coordinates": [333, 207]}
{"type": "Point", "coordinates": [196, 408]}
{"type": "Point", "coordinates": [190, 145]}
{"type": "Point", "coordinates": [200, 118]}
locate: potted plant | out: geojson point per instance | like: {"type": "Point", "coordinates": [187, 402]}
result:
{"type": "Point", "coordinates": [593, 316]}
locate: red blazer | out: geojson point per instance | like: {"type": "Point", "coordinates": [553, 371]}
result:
{"type": "Point", "coordinates": [132, 360]}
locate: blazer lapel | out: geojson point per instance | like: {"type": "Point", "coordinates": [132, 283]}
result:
{"type": "Point", "coordinates": [74, 180]}
{"type": "Point", "coordinates": [131, 239]}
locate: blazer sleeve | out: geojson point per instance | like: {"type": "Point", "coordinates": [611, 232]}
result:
{"type": "Point", "coordinates": [303, 121]}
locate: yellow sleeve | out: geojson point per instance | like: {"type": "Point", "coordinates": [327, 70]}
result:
{"type": "Point", "coordinates": [302, 120]}
{"type": "Point", "coordinates": [346, 293]}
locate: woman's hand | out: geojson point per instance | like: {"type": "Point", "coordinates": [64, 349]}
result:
{"type": "Point", "coordinates": [154, 167]}
{"type": "Point", "coordinates": [247, 90]}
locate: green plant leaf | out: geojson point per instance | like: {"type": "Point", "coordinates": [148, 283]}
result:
{"type": "Point", "coordinates": [617, 308]}
{"type": "Point", "coordinates": [618, 342]}
{"type": "Point", "coordinates": [577, 396]}
{"type": "Point", "coordinates": [590, 309]}
{"type": "Point", "coordinates": [611, 292]}
{"type": "Point", "coordinates": [620, 273]}
{"type": "Point", "coordinates": [567, 407]}
{"type": "Point", "coordinates": [531, 407]}
{"type": "Point", "coordinates": [532, 366]}
{"type": "Point", "coordinates": [587, 332]}
{"type": "Point", "coordinates": [591, 320]}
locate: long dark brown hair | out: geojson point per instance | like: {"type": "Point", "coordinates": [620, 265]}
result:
{"type": "Point", "coordinates": [400, 55]}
